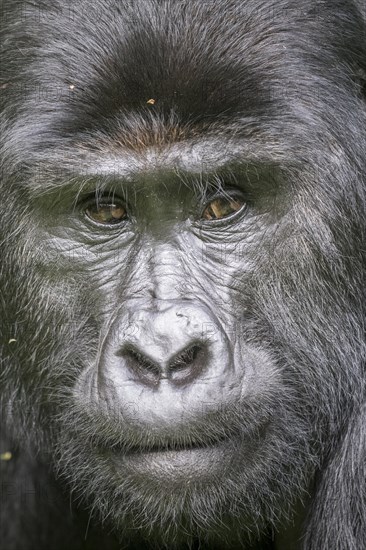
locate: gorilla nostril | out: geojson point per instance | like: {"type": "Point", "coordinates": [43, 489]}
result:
{"type": "Point", "coordinates": [187, 364]}
{"type": "Point", "coordinates": [182, 368]}
{"type": "Point", "coordinates": [146, 370]}
{"type": "Point", "coordinates": [185, 358]}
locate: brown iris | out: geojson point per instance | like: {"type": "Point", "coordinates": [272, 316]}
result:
{"type": "Point", "coordinates": [106, 213]}
{"type": "Point", "coordinates": [221, 207]}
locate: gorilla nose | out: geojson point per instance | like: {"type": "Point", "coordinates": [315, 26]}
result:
{"type": "Point", "coordinates": [180, 367]}
{"type": "Point", "coordinates": [172, 343]}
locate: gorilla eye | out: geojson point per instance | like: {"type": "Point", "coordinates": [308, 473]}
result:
{"type": "Point", "coordinates": [106, 213]}
{"type": "Point", "coordinates": [222, 207]}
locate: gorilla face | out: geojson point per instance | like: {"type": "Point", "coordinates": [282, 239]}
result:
{"type": "Point", "coordinates": [182, 261]}
{"type": "Point", "coordinates": [179, 404]}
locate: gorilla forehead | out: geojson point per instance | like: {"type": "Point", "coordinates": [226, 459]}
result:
{"type": "Point", "coordinates": [249, 73]}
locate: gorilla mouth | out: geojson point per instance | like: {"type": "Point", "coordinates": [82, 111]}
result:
{"type": "Point", "coordinates": [134, 446]}
{"type": "Point", "coordinates": [174, 446]}
{"type": "Point", "coordinates": [171, 462]}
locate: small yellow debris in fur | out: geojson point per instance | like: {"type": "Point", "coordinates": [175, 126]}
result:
{"type": "Point", "coordinates": [6, 456]}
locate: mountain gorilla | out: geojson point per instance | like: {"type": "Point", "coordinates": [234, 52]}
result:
{"type": "Point", "coordinates": [183, 229]}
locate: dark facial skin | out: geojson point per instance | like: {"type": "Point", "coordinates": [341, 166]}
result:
{"type": "Point", "coordinates": [182, 255]}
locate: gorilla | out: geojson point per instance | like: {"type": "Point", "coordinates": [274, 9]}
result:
{"type": "Point", "coordinates": [183, 259]}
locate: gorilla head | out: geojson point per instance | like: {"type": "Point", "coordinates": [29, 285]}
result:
{"type": "Point", "coordinates": [183, 272]}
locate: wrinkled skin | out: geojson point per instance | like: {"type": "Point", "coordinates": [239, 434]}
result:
{"type": "Point", "coordinates": [182, 273]}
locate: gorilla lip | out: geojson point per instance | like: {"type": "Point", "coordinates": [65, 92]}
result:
{"type": "Point", "coordinates": [175, 447]}
{"type": "Point", "coordinates": [175, 461]}
{"type": "Point", "coordinates": [218, 435]}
